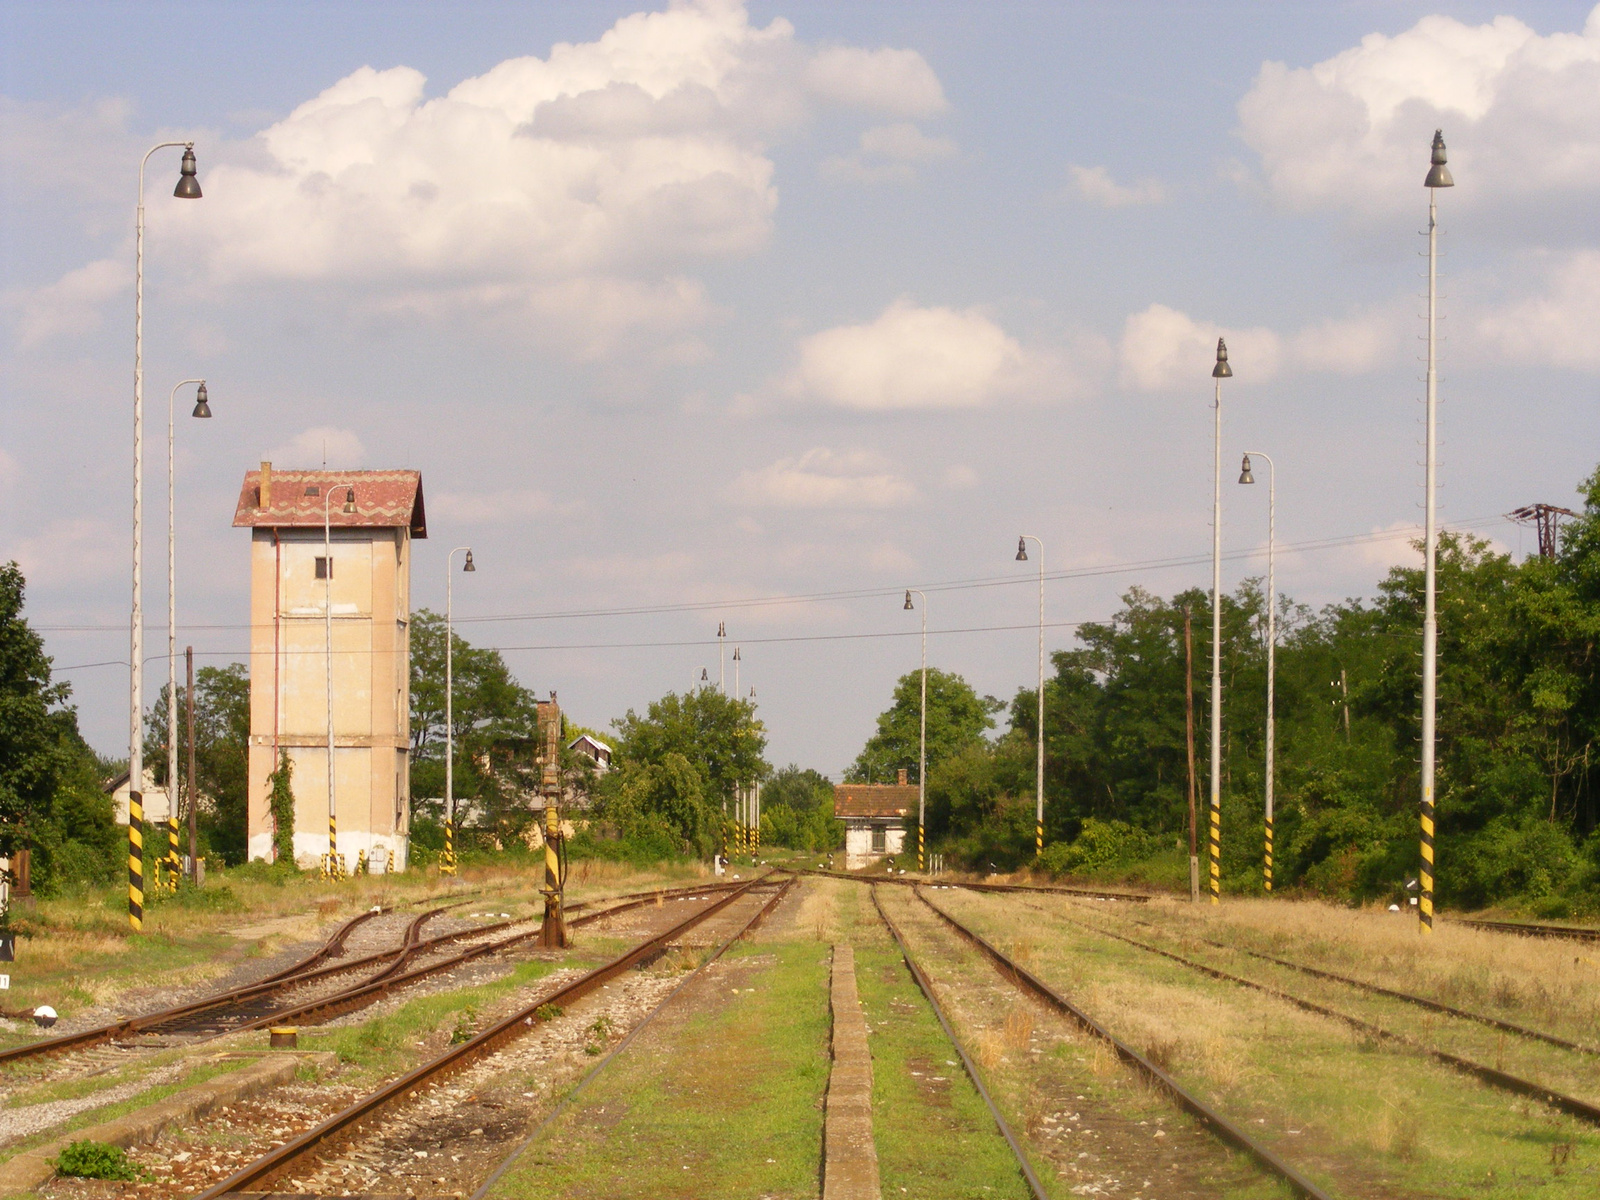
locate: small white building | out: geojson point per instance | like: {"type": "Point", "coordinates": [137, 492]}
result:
{"type": "Point", "coordinates": [154, 798]}
{"type": "Point", "coordinates": [593, 749]}
{"type": "Point", "coordinates": [875, 819]}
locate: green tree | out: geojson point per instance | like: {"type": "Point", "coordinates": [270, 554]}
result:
{"type": "Point", "coordinates": [496, 728]}
{"type": "Point", "coordinates": [50, 794]}
{"type": "Point", "coordinates": [719, 736]}
{"type": "Point", "coordinates": [958, 718]}
{"type": "Point", "coordinates": [222, 754]}
{"type": "Point", "coordinates": [797, 811]}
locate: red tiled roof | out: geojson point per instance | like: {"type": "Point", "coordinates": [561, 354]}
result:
{"type": "Point", "coordinates": [384, 499]}
{"type": "Point", "coordinates": [874, 799]}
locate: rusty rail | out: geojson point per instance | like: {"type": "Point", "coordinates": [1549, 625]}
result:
{"type": "Point", "coordinates": [1225, 1129]}
{"type": "Point", "coordinates": [264, 1169]}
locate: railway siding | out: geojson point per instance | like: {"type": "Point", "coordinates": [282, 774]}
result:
{"type": "Point", "coordinates": [1336, 1099]}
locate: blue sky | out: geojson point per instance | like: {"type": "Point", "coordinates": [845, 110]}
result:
{"type": "Point", "coordinates": [805, 304]}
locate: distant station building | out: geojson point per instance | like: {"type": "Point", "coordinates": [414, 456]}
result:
{"type": "Point", "coordinates": [594, 750]}
{"type": "Point", "coordinates": [875, 818]}
{"type": "Point", "coordinates": [373, 518]}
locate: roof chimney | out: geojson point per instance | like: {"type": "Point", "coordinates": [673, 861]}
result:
{"type": "Point", "coordinates": [901, 780]}
{"type": "Point", "coordinates": [266, 485]}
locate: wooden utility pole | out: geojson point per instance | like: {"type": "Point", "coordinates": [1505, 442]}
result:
{"type": "Point", "coordinates": [194, 796]}
{"type": "Point", "coordinates": [1188, 717]}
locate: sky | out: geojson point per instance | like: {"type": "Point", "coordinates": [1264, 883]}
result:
{"type": "Point", "coordinates": [758, 314]}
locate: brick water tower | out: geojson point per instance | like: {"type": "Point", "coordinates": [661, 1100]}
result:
{"type": "Point", "coordinates": [372, 517]}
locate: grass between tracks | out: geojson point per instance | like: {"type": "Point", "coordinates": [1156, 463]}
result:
{"type": "Point", "coordinates": [76, 952]}
{"type": "Point", "coordinates": [721, 1097]}
{"type": "Point", "coordinates": [1370, 1118]}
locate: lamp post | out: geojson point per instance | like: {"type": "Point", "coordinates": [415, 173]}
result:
{"type": "Point", "coordinates": [202, 409]}
{"type": "Point", "coordinates": [448, 865]}
{"type": "Point", "coordinates": [1272, 640]}
{"type": "Point", "coordinates": [188, 189]}
{"type": "Point", "coordinates": [334, 870]}
{"type": "Point", "coordinates": [1214, 838]}
{"type": "Point", "coordinates": [1438, 177]}
{"type": "Point", "coordinates": [922, 736]}
{"type": "Point", "coordinates": [1038, 785]}
{"type": "Point", "coordinates": [736, 672]}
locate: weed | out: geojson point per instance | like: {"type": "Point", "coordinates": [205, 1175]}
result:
{"type": "Point", "coordinates": [96, 1160]}
{"type": "Point", "coordinates": [466, 1026]}
{"type": "Point", "coordinates": [548, 1012]}
{"type": "Point", "coordinates": [1019, 1029]}
{"type": "Point", "coordinates": [1164, 1052]}
{"type": "Point", "coordinates": [603, 1027]}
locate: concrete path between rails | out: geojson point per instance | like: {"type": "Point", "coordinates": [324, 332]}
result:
{"type": "Point", "coordinates": [850, 1156]}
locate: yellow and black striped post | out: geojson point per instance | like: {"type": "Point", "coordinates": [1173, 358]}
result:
{"type": "Point", "coordinates": [1425, 900]}
{"type": "Point", "coordinates": [1266, 865]}
{"type": "Point", "coordinates": [922, 859]}
{"type": "Point", "coordinates": [174, 859]}
{"type": "Point", "coordinates": [447, 861]}
{"type": "Point", "coordinates": [1038, 838]}
{"type": "Point", "coordinates": [135, 861]}
{"type": "Point", "coordinates": [1214, 850]}
{"type": "Point", "coordinates": [335, 867]}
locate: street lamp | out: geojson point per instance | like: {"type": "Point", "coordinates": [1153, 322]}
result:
{"type": "Point", "coordinates": [922, 751]}
{"type": "Point", "coordinates": [201, 409]}
{"type": "Point", "coordinates": [1214, 845]}
{"type": "Point", "coordinates": [1438, 177]}
{"type": "Point", "coordinates": [334, 868]}
{"type": "Point", "coordinates": [1272, 638]}
{"type": "Point", "coordinates": [188, 189]}
{"type": "Point", "coordinates": [448, 865]}
{"type": "Point", "coordinates": [1038, 785]}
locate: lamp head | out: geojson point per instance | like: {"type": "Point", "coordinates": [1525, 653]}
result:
{"type": "Point", "coordinates": [188, 182]}
{"type": "Point", "coordinates": [350, 500]}
{"type": "Point", "coordinates": [1244, 471]}
{"type": "Point", "coordinates": [1222, 370]}
{"type": "Point", "coordinates": [704, 678]}
{"type": "Point", "coordinates": [1438, 173]}
{"type": "Point", "coordinates": [909, 605]}
{"type": "Point", "coordinates": [201, 407]}
{"type": "Point", "coordinates": [467, 566]}
{"type": "Point", "coordinates": [1022, 549]}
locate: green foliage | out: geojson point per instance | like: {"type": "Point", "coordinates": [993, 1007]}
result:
{"type": "Point", "coordinates": [958, 718]}
{"type": "Point", "coordinates": [496, 731]}
{"type": "Point", "coordinates": [50, 781]}
{"type": "Point", "coordinates": [222, 754]}
{"type": "Point", "coordinates": [674, 772]}
{"type": "Point", "coordinates": [1518, 733]}
{"type": "Point", "coordinates": [1100, 846]}
{"type": "Point", "coordinates": [280, 802]}
{"type": "Point", "coordinates": [96, 1160]}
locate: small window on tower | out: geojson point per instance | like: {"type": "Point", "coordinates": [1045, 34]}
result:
{"type": "Point", "coordinates": [324, 567]}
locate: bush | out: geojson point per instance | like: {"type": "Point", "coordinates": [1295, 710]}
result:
{"type": "Point", "coordinates": [1531, 861]}
{"type": "Point", "coordinates": [1099, 846]}
{"type": "Point", "coordinates": [96, 1160]}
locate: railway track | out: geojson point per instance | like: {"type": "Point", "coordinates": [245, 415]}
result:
{"type": "Point", "coordinates": [1576, 933]}
{"type": "Point", "coordinates": [300, 1157]}
{"type": "Point", "coordinates": [1374, 989]}
{"type": "Point", "coordinates": [1027, 983]}
{"type": "Point", "coordinates": [1494, 1076]}
{"type": "Point", "coordinates": [268, 1001]}
{"type": "Point", "coordinates": [974, 886]}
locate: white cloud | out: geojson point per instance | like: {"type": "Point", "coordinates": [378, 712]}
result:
{"type": "Point", "coordinates": [1352, 132]}
{"type": "Point", "coordinates": [70, 305]}
{"type": "Point", "coordinates": [1561, 327]}
{"type": "Point", "coordinates": [889, 152]}
{"type": "Point", "coordinates": [918, 358]}
{"type": "Point", "coordinates": [74, 550]}
{"type": "Point", "coordinates": [607, 168]}
{"type": "Point", "coordinates": [306, 451]}
{"type": "Point", "coordinates": [1163, 348]}
{"type": "Point", "coordinates": [1095, 185]}
{"type": "Point", "coordinates": [823, 478]}
{"type": "Point", "coordinates": [894, 81]}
